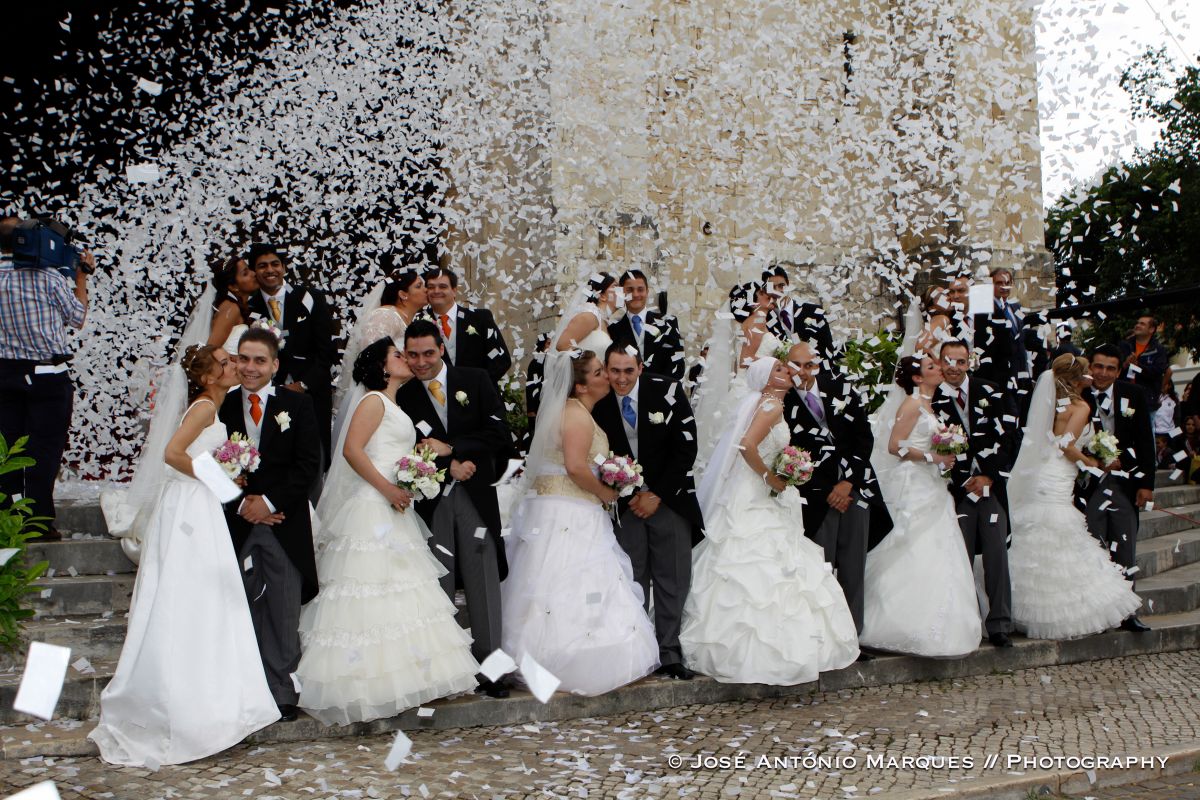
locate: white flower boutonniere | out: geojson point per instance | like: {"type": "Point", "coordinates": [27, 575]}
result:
{"type": "Point", "coordinates": [983, 402]}
{"type": "Point", "coordinates": [471, 330]}
{"type": "Point", "coordinates": [656, 417]}
{"type": "Point", "coordinates": [284, 420]}
{"type": "Point", "coordinates": [461, 397]}
{"type": "Point", "coordinates": [1127, 412]}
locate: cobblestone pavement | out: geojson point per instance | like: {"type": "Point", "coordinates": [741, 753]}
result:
{"type": "Point", "coordinates": [1177, 787]}
{"type": "Point", "coordinates": [1103, 708]}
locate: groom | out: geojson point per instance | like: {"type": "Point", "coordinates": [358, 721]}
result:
{"type": "Point", "coordinates": [843, 507]}
{"type": "Point", "coordinates": [648, 417]}
{"type": "Point", "coordinates": [978, 480]}
{"type": "Point", "coordinates": [459, 414]}
{"type": "Point", "coordinates": [270, 524]}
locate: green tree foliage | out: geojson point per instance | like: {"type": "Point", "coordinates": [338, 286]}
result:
{"type": "Point", "coordinates": [1138, 229]}
{"type": "Point", "coordinates": [17, 526]}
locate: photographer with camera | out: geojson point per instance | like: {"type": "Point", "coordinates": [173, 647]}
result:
{"type": "Point", "coordinates": [43, 289]}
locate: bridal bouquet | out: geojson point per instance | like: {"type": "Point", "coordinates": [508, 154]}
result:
{"type": "Point", "coordinates": [949, 440]}
{"type": "Point", "coordinates": [417, 473]}
{"type": "Point", "coordinates": [1105, 447]}
{"type": "Point", "coordinates": [237, 455]}
{"type": "Point", "coordinates": [621, 473]}
{"type": "Point", "coordinates": [794, 465]}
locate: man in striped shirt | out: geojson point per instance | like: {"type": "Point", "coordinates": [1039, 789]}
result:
{"type": "Point", "coordinates": [36, 393]}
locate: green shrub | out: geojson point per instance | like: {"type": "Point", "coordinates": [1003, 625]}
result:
{"type": "Point", "coordinates": [871, 364]}
{"type": "Point", "coordinates": [17, 526]}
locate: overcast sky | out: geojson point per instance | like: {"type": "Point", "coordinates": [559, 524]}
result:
{"type": "Point", "coordinates": [1083, 46]}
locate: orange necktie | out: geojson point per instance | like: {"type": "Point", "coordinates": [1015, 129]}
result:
{"type": "Point", "coordinates": [445, 318]}
{"type": "Point", "coordinates": [256, 409]}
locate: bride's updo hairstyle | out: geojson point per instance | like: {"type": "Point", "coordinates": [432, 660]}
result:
{"type": "Point", "coordinates": [197, 361]}
{"type": "Point", "coordinates": [598, 285]}
{"type": "Point", "coordinates": [399, 281]}
{"type": "Point", "coordinates": [581, 364]}
{"type": "Point", "coordinates": [368, 367]}
{"type": "Point", "coordinates": [742, 301]}
{"type": "Point", "coordinates": [907, 371]}
{"type": "Point", "coordinates": [1068, 369]}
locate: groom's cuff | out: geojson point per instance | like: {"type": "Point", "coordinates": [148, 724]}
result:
{"type": "Point", "coordinates": [270, 505]}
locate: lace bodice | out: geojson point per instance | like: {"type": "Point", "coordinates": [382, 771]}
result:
{"type": "Point", "coordinates": [554, 479]}
{"type": "Point", "coordinates": [383, 321]}
{"type": "Point", "coordinates": [394, 437]}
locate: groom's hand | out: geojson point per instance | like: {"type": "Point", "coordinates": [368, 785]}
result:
{"type": "Point", "coordinates": [978, 485]}
{"type": "Point", "coordinates": [440, 448]}
{"type": "Point", "coordinates": [839, 498]}
{"type": "Point", "coordinates": [462, 470]}
{"type": "Point", "coordinates": [255, 511]}
{"type": "Point", "coordinates": [644, 504]}
{"type": "Point", "coordinates": [296, 386]}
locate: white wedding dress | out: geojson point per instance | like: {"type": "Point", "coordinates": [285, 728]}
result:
{"type": "Point", "coordinates": [235, 336]}
{"type": "Point", "coordinates": [190, 681]}
{"type": "Point", "coordinates": [381, 636]}
{"type": "Point", "coordinates": [598, 340]}
{"type": "Point", "coordinates": [1063, 583]}
{"type": "Point", "coordinates": [570, 600]}
{"type": "Point", "coordinates": [919, 587]}
{"type": "Point", "coordinates": [764, 606]}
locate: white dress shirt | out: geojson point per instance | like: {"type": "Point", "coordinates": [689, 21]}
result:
{"type": "Point", "coordinates": [437, 406]}
{"type": "Point", "coordinates": [253, 429]}
{"type": "Point", "coordinates": [630, 432]}
{"type": "Point", "coordinates": [450, 341]}
{"type": "Point", "coordinates": [1106, 408]}
{"type": "Point", "coordinates": [964, 411]}
{"type": "Point", "coordinates": [639, 337]}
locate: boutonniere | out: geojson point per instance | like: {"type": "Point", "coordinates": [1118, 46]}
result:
{"type": "Point", "coordinates": [284, 420]}
{"type": "Point", "coordinates": [461, 397]}
{"type": "Point", "coordinates": [983, 402]}
{"type": "Point", "coordinates": [656, 417]}
{"type": "Point", "coordinates": [471, 330]}
{"type": "Point", "coordinates": [1127, 412]}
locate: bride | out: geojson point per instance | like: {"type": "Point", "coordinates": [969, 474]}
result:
{"type": "Point", "coordinates": [764, 605]}
{"type": "Point", "coordinates": [233, 285]}
{"type": "Point", "coordinates": [570, 601]}
{"type": "Point", "coordinates": [920, 591]}
{"type": "Point", "coordinates": [1063, 583]}
{"type": "Point", "coordinates": [190, 682]}
{"type": "Point", "coordinates": [586, 319]}
{"type": "Point", "coordinates": [381, 636]}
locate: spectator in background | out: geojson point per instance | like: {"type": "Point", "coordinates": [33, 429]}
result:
{"type": "Point", "coordinates": [1166, 418]}
{"type": "Point", "coordinates": [1065, 340]}
{"type": "Point", "coordinates": [1144, 359]}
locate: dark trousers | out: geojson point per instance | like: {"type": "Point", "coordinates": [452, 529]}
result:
{"type": "Point", "coordinates": [984, 526]}
{"type": "Point", "coordinates": [660, 551]}
{"type": "Point", "coordinates": [1115, 524]}
{"type": "Point", "coordinates": [38, 406]}
{"type": "Point", "coordinates": [473, 560]}
{"type": "Point", "coordinates": [843, 536]}
{"type": "Point", "coordinates": [273, 588]}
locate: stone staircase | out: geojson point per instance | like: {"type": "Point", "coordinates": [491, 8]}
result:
{"type": "Point", "coordinates": [85, 599]}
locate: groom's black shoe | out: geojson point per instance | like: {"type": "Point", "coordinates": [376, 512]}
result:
{"type": "Point", "coordinates": [864, 656]}
{"type": "Point", "coordinates": [287, 712]}
{"type": "Point", "coordinates": [495, 689]}
{"type": "Point", "coordinates": [677, 671]}
{"type": "Point", "coordinates": [1000, 639]}
{"type": "Point", "coordinates": [1134, 625]}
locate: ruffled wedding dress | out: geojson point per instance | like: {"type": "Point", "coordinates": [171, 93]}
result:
{"type": "Point", "coordinates": [919, 587]}
{"type": "Point", "coordinates": [570, 600]}
{"type": "Point", "coordinates": [190, 681]}
{"type": "Point", "coordinates": [1063, 583]}
{"type": "Point", "coordinates": [764, 606]}
{"type": "Point", "coordinates": [381, 636]}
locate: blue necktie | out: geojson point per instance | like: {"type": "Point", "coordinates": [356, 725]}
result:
{"type": "Point", "coordinates": [627, 411]}
{"type": "Point", "coordinates": [636, 319]}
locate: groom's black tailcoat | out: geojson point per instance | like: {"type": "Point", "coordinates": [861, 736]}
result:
{"type": "Point", "coordinates": [1134, 430]}
{"type": "Point", "coordinates": [993, 419]}
{"type": "Point", "coordinates": [843, 445]}
{"type": "Point", "coordinates": [308, 351]}
{"type": "Point", "coordinates": [484, 349]}
{"type": "Point", "coordinates": [662, 347]}
{"type": "Point", "coordinates": [290, 462]}
{"type": "Point", "coordinates": [666, 450]}
{"type": "Point", "coordinates": [477, 431]}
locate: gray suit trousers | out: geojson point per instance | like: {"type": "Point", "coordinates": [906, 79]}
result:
{"type": "Point", "coordinates": [473, 559]}
{"type": "Point", "coordinates": [660, 549]}
{"type": "Point", "coordinates": [273, 588]}
{"type": "Point", "coordinates": [843, 536]}
{"type": "Point", "coordinates": [1116, 523]}
{"type": "Point", "coordinates": [975, 519]}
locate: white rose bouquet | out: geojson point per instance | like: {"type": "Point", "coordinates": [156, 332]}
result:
{"type": "Point", "coordinates": [417, 473]}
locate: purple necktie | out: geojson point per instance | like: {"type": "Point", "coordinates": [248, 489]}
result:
{"type": "Point", "coordinates": [814, 405]}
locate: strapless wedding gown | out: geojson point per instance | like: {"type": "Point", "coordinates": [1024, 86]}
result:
{"type": "Point", "coordinates": [381, 636]}
{"type": "Point", "coordinates": [764, 606]}
{"type": "Point", "coordinates": [1063, 583]}
{"type": "Point", "coordinates": [235, 336]}
{"type": "Point", "coordinates": [598, 340]}
{"type": "Point", "coordinates": [570, 600]}
{"type": "Point", "coordinates": [190, 681]}
{"type": "Point", "coordinates": [919, 588]}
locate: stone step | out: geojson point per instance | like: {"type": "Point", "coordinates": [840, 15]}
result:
{"type": "Point", "coordinates": [1167, 552]}
{"type": "Point", "coordinates": [99, 555]}
{"type": "Point", "coordinates": [80, 516]}
{"type": "Point", "coordinates": [1178, 495]}
{"type": "Point", "coordinates": [1173, 591]}
{"type": "Point", "coordinates": [1164, 521]}
{"type": "Point", "coordinates": [1168, 477]}
{"type": "Point", "coordinates": [85, 594]}
{"type": "Point", "coordinates": [81, 692]}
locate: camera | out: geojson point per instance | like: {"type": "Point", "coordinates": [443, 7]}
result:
{"type": "Point", "coordinates": [46, 244]}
